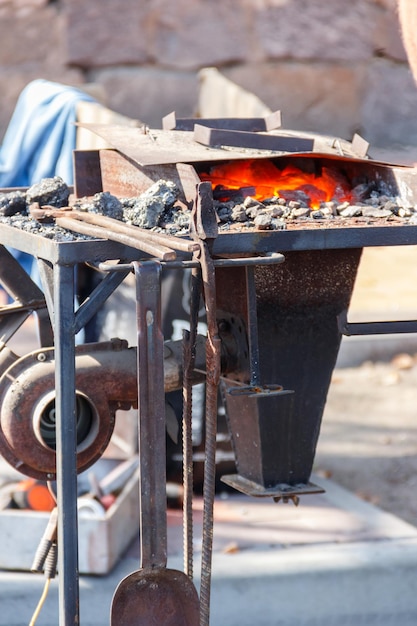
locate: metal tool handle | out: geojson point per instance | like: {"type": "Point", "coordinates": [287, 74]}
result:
{"type": "Point", "coordinates": [212, 382]}
{"type": "Point", "coordinates": [204, 228]}
{"type": "Point", "coordinates": [189, 357]}
{"type": "Point", "coordinates": [93, 230]}
{"type": "Point", "coordinates": [48, 213]}
{"type": "Point", "coordinates": [151, 415]}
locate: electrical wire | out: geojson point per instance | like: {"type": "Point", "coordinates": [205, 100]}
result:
{"type": "Point", "coordinates": [46, 556]}
{"type": "Point", "coordinates": [51, 490]}
{"type": "Point", "coordinates": [41, 602]}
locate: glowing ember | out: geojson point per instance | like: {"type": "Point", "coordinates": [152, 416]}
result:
{"type": "Point", "coordinates": [270, 181]}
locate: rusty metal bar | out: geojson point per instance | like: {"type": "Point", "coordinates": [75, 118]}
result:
{"type": "Point", "coordinates": [153, 530]}
{"type": "Point", "coordinates": [189, 360]}
{"type": "Point", "coordinates": [18, 283]}
{"type": "Point", "coordinates": [251, 124]}
{"type": "Point", "coordinates": [166, 254]}
{"type": "Point", "coordinates": [96, 299]}
{"type": "Point", "coordinates": [270, 259]}
{"type": "Point", "coordinates": [204, 230]}
{"type": "Point", "coordinates": [46, 316]}
{"type": "Point", "coordinates": [141, 234]}
{"type": "Point", "coordinates": [258, 141]}
{"type": "Point", "coordinates": [350, 329]}
{"type": "Point", "coordinates": [114, 226]}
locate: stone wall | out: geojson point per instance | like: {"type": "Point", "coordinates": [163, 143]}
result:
{"type": "Point", "coordinates": [335, 67]}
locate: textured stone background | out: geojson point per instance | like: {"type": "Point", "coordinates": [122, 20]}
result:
{"type": "Point", "coordinates": [334, 67]}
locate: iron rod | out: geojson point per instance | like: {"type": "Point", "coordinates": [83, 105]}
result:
{"type": "Point", "coordinates": [97, 298]}
{"type": "Point", "coordinates": [17, 282]}
{"type": "Point", "coordinates": [252, 326]}
{"type": "Point", "coordinates": [350, 329]}
{"type": "Point", "coordinates": [272, 259]}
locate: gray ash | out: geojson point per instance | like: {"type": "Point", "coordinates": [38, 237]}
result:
{"type": "Point", "coordinates": [47, 230]}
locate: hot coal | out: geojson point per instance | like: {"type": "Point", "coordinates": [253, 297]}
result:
{"type": "Point", "coordinates": [156, 209]}
{"type": "Point", "coordinates": [276, 213]}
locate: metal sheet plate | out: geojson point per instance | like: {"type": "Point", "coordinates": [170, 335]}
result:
{"type": "Point", "coordinates": [158, 147]}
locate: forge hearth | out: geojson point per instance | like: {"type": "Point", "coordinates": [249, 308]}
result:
{"type": "Point", "coordinates": [375, 194]}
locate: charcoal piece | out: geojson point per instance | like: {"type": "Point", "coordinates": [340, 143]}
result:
{"type": "Point", "coordinates": [224, 212]}
{"type": "Point", "coordinates": [12, 203]}
{"type": "Point", "coordinates": [182, 218]}
{"type": "Point", "coordinates": [296, 213]}
{"type": "Point", "coordinates": [362, 191]}
{"type": "Point", "coordinates": [251, 202]}
{"type": "Point", "coordinates": [104, 203]}
{"type": "Point", "coordinates": [404, 212]}
{"type": "Point", "coordinates": [376, 212]}
{"type": "Point", "coordinates": [263, 221]}
{"type": "Point", "coordinates": [52, 191]}
{"type": "Point", "coordinates": [278, 224]}
{"type": "Point", "coordinates": [276, 210]}
{"type": "Point", "coordinates": [239, 214]}
{"type": "Point", "coordinates": [150, 206]}
{"type": "Point", "coordinates": [317, 214]}
{"type": "Point", "coordinates": [252, 210]}
{"type": "Point", "coordinates": [295, 195]}
{"type": "Point", "coordinates": [352, 210]}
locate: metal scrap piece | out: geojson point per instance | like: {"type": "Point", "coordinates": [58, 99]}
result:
{"type": "Point", "coordinates": [252, 124]}
{"type": "Point", "coordinates": [259, 141]}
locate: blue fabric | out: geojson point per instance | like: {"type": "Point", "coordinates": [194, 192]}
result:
{"type": "Point", "coordinates": [40, 138]}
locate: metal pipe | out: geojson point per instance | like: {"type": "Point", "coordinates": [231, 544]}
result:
{"type": "Point", "coordinates": [270, 259]}
{"type": "Point", "coordinates": [66, 444]}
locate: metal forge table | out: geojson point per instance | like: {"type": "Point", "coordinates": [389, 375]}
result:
{"type": "Point", "coordinates": [295, 315]}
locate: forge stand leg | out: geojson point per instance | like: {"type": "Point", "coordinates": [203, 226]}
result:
{"type": "Point", "coordinates": [66, 445]}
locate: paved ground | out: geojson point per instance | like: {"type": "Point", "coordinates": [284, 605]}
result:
{"type": "Point", "coordinates": [333, 561]}
{"type": "Point", "coordinates": [368, 440]}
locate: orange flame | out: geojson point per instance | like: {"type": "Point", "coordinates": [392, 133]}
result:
{"type": "Point", "coordinates": [270, 181]}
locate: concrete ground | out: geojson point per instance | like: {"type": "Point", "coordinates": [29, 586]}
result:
{"type": "Point", "coordinates": [333, 561]}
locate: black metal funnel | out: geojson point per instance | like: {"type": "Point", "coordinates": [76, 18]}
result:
{"type": "Point", "coordinates": [296, 306]}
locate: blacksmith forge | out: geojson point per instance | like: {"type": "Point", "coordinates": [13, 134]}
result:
{"type": "Point", "coordinates": [282, 300]}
